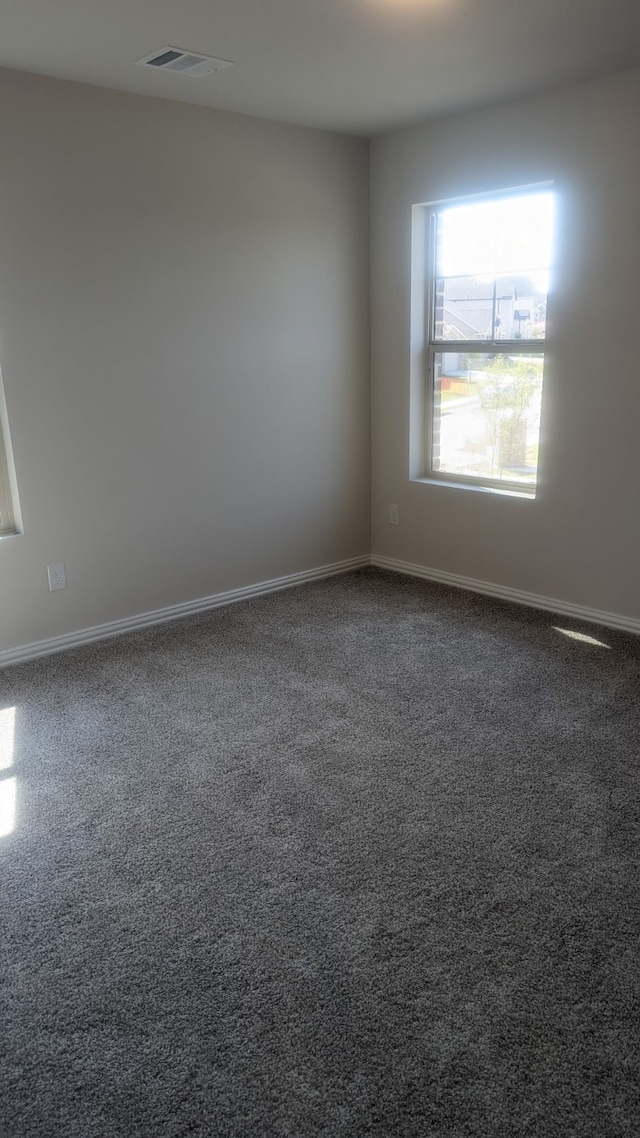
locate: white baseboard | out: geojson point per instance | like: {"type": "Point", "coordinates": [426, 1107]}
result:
{"type": "Point", "coordinates": [48, 647]}
{"type": "Point", "coordinates": [504, 593]}
{"type": "Point", "coordinates": [173, 612]}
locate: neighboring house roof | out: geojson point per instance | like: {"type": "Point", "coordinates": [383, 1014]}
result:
{"type": "Point", "coordinates": [465, 317]}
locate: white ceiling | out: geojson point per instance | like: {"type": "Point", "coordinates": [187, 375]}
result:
{"type": "Point", "coordinates": [360, 66]}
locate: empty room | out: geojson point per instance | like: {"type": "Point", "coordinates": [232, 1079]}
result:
{"type": "Point", "coordinates": [319, 569]}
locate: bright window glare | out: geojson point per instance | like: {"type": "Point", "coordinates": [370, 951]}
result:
{"type": "Point", "coordinates": [7, 731]}
{"type": "Point", "coordinates": [582, 637]}
{"type": "Point", "coordinates": [7, 806]}
{"type": "Point", "coordinates": [506, 235]}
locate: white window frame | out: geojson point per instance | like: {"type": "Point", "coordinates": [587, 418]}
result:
{"type": "Point", "coordinates": [8, 514]}
{"type": "Point", "coordinates": [7, 522]}
{"type": "Point", "coordinates": [434, 347]}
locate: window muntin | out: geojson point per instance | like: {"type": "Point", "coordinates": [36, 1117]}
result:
{"type": "Point", "coordinates": [489, 264]}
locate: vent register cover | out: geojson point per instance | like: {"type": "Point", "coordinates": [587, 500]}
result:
{"type": "Point", "coordinates": [184, 62]}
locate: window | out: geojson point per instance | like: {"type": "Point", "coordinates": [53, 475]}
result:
{"type": "Point", "coordinates": [7, 514]}
{"type": "Point", "coordinates": [488, 262]}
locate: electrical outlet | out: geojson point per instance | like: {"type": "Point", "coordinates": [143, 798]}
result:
{"type": "Point", "coordinates": [57, 577]}
{"type": "Point", "coordinates": [394, 515]}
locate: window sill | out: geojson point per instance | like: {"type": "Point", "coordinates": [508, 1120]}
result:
{"type": "Point", "coordinates": [478, 488]}
{"type": "Point", "coordinates": [13, 533]}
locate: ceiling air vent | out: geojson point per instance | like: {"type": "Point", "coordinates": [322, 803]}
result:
{"type": "Point", "coordinates": [185, 62]}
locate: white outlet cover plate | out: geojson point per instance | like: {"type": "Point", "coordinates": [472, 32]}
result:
{"type": "Point", "coordinates": [57, 575]}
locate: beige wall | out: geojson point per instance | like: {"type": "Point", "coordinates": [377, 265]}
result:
{"type": "Point", "coordinates": [184, 345]}
{"type": "Point", "coordinates": [579, 541]}
{"type": "Point", "coordinates": [183, 339]}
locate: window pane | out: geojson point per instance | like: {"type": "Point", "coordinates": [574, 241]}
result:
{"type": "Point", "coordinates": [486, 421]}
{"type": "Point", "coordinates": [463, 308]}
{"type": "Point", "coordinates": [521, 306]}
{"type": "Point", "coordinates": [506, 235]}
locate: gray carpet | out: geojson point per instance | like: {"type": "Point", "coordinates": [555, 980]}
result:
{"type": "Point", "coordinates": [356, 859]}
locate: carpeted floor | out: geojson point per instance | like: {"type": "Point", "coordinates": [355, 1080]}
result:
{"type": "Point", "coordinates": [360, 858]}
